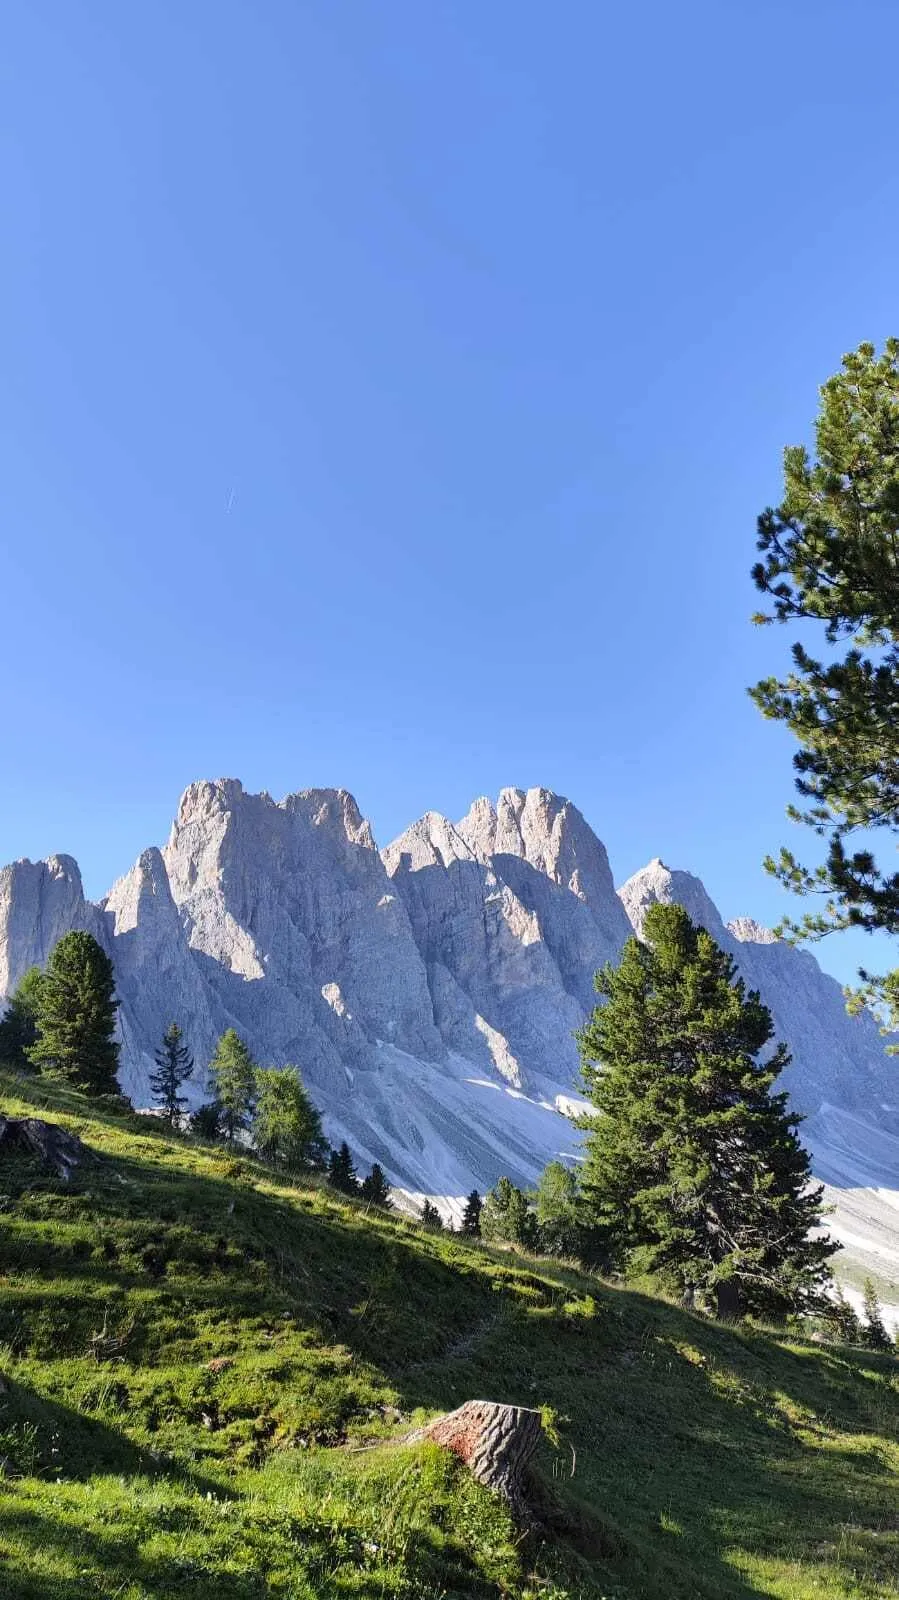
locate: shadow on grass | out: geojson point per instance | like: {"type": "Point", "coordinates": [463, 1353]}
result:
{"type": "Point", "coordinates": [689, 1439]}
{"type": "Point", "coordinates": [119, 1559]}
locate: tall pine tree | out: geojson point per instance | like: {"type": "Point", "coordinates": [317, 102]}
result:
{"type": "Point", "coordinates": [232, 1079]}
{"type": "Point", "coordinates": [75, 1015]}
{"type": "Point", "coordinates": [375, 1188]}
{"type": "Point", "coordinates": [693, 1166]}
{"type": "Point", "coordinates": [471, 1216]}
{"type": "Point", "coordinates": [341, 1171]}
{"type": "Point", "coordinates": [174, 1065]}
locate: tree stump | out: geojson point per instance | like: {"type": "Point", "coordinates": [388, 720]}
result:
{"type": "Point", "coordinates": [495, 1442]}
{"type": "Point", "coordinates": [61, 1151]}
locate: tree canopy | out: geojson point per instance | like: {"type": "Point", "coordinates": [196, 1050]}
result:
{"type": "Point", "coordinates": [287, 1129]}
{"type": "Point", "coordinates": [18, 1026]}
{"type": "Point", "coordinates": [830, 559]}
{"type": "Point", "coordinates": [232, 1076]}
{"type": "Point", "coordinates": [75, 1014]}
{"type": "Point", "coordinates": [693, 1166]}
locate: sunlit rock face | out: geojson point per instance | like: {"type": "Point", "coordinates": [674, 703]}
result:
{"type": "Point", "coordinates": [430, 992]}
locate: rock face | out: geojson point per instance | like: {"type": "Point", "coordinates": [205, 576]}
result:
{"type": "Point", "coordinates": [836, 1059]}
{"type": "Point", "coordinates": [429, 994]}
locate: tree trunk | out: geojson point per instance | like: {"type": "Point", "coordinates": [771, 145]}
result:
{"type": "Point", "coordinates": [59, 1149]}
{"type": "Point", "coordinates": [496, 1443]}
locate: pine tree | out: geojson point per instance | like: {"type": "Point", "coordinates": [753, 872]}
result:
{"type": "Point", "coordinates": [829, 563]}
{"type": "Point", "coordinates": [375, 1188]}
{"type": "Point", "coordinates": [232, 1079]}
{"type": "Point", "coordinates": [430, 1216]}
{"type": "Point", "coordinates": [874, 1332]}
{"type": "Point", "coordinates": [693, 1167]}
{"type": "Point", "coordinates": [75, 1014]}
{"type": "Point", "coordinates": [18, 1028]}
{"type": "Point", "coordinates": [341, 1171]}
{"type": "Point", "coordinates": [507, 1216]}
{"type": "Point", "coordinates": [471, 1216]}
{"type": "Point", "coordinates": [287, 1129]}
{"type": "Point", "coordinates": [557, 1203]}
{"type": "Point", "coordinates": [174, 1065]}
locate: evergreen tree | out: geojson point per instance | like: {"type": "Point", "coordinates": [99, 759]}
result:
{"type": "Point", "coordinates": [375, 1188]}
{"type": "Point", "coordinates": [232, 1079]}
{"type": "Point", "coordinates": [557, 1206]}
{"type": "Point", "coordinates": [874, 1333]}
{"type": "Point", "coordinates": [507, 1216]}
{"type": "Point", "coordinates": [341, 1171]}
{"type": "Point", "coordinates": [829, 561]}
{"type": "Point", "coordinates": [174, 1065]}
{"type": "Point", "coordinates": [18, 1028]}
{"type": "Point", "coordinates": [287, 1129]}
{"type": "Point", "coordinates": [430, 1216]}
{"type": "Point", "coordinates": [75, 1014]}
{"type": "Point", "coordinates": [471, 1216]}
{"type": "Point", "coordinates": [694, 1160]}
{"type": "Point", "coordinates": [843, 1318]}
{"type": "Point", "coordinates": [206, 1121]}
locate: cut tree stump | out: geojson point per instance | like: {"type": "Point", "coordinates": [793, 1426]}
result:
{"type": "Point", "coordinates": [59, 1150]}
{"type": "Point", "coordinates": [495, 1442]}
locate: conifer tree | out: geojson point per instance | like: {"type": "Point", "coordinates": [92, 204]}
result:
{"type": "Point", "coordinates": [471, 1216]}
{"type": "Point", "coordinates": [828, 562]}
{"type": "Point", "coordinates": [875, 1333]}
{"type": "Point", "coordinates": [693, 1167]}
{"type": "Point", "coordinates": [341, 1170]}
{"type": "Point", "coordinates": [557, 1204]}
{"type": "Point", "coordinates": [843, 1318]}
{"type": "Point", "coordinates": [375, 1188]}
{"type": "Point", "coordinates": [232, 1078]}
{"type": "Point", "coordinates": [174, 1065]}
{"type": "Point", "coordinates": [430, 1216]}
{"type": "Point", "coordinates": [206, 1121]}
{"type": "Point", "coordinates": [287, 1129]}
{"type": "Point", "coordinates": [75, 1015]}
{"type": "Point", "coordinates": [507, 1216]}
{"type": "Point", "coordinates": [18, 1028]}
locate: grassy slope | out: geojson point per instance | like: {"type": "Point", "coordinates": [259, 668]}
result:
{"type": "Point", "coordinates": [709, 1462]}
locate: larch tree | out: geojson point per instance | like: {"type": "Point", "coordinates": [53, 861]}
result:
{"type": "Point", "coordinates": [232, 1079]}
{"type": "Point", "coordinates": [693, 1166]}
{"type": "Point", "coordinates": [287, 1128]}
{"type": "Point", "coordinates": [18, 1026]}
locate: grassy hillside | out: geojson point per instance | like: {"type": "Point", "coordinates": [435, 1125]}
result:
{"type": "Point", "coordinates": [206, 1372]}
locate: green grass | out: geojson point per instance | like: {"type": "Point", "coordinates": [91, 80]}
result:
{"type": "Point", "coordinates": [208, 1375]}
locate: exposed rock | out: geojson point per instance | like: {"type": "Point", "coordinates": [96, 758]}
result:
{"type": "Point", "coordinates": [496, 1443]}
{"type": "Point", "coordinates": [429, 995]}
{"type": "Point", "coordinates": [58, 1149]}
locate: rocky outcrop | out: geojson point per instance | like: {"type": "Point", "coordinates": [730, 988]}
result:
{"type": "Point", "coordinates": [429, 994]}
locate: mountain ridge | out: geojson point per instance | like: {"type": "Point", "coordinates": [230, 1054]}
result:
{"type": "Point", "coordinates": [429, 991]}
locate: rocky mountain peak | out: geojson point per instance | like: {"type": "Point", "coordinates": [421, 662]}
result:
{"type": "Point", "coordinates": [657, 883]}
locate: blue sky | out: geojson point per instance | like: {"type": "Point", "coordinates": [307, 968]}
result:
{"type": "Point", "coordinates": [389, 392]}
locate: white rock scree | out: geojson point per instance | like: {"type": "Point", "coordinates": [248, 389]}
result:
{"type": "Point", "coordinates": [429, 992]}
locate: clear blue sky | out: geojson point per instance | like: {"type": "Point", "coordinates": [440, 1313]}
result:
{"type": "Point", "coordinates": [389, 392]}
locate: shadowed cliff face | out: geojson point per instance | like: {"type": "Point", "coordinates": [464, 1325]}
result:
{"type": "Point", "coordinates": [428, 993]}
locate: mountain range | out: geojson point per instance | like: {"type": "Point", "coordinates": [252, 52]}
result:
{"type": "Point", "coordinates": [429, 992]}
